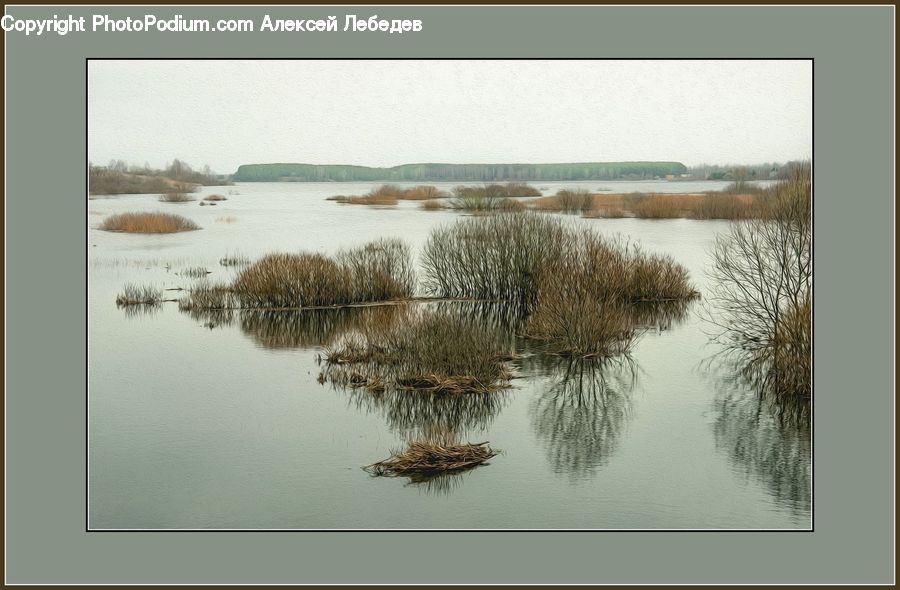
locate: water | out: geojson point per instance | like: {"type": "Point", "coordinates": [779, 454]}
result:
{"type": "Point", "coordinates": [209, 425]}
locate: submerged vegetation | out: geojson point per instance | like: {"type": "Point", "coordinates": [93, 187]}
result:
{"type": "Point", "coordinates": [147, 223]}
{"type": "Point", "coordinates": [762, 270]}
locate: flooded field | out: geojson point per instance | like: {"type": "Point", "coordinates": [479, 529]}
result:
{"type": "Point", "coordinates": [232, 420]}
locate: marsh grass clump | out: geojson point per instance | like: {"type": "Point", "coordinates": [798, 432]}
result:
{"type": "Point", "coordinates": [375, 272]}
{"type": "Point", "coordinates": [429, 351]}
{"type": "Point", "coordinates": [585, 296]}
{"type": "Point", "coordinates": [293, 280]}
{"type": "Point", "coordinates": [380, 270]}
{"type": "Point", "coordinates": [433, 455]}
{"type": "Point", "coordinates": [422, 193]}
{"type": "Point", "coordinates": [390, 194]}
{"type": "Point", "coordinates": [215, 198]}
{"type": "Point", "coordinates": [147, 223]}
{"type": "Point", "coordinates": [209, 297]}
{"type": "Point", "coordinates": [575, 201]}
{"type": "Point", "coordinates": [175, 197]}
{"type": "Point", "coordinates": [235, 259]}
{"type": "Point", "coordinates": [194, 272]}
{"type": "Point", "coordinates": [521, 189]}
{"type": "Point", "coordinates": [139, 295]}
{"type": "Point", "coordinates": [432, 205]}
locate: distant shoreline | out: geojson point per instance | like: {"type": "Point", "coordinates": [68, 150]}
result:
{"type": "Point", "coordinates": [286, 172]}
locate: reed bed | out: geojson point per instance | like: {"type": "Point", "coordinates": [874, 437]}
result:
{"type": "Point", "coordinates": [215, 198]}
{"type": "Point", "coordinates": [390, 194]}
{"type": "Point", "coordinates": [139, 295]}
{"type": "Point", "coordinates": [712, 205]}
{"type": "Point", "coordinates": [147, 223]}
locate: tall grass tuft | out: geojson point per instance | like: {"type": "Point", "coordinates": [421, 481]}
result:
{"type": "Point", "coordinates": [378, 271]}
{"type": "Point", "coordinates": [575, 201]}
{"type": "Point", "coordinates": [431, 350]}
{"type": "Point", "coordinates": [139, 295]}
{"type": "Point", "coordinates": [147, 223]}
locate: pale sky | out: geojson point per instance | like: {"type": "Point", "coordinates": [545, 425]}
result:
{"type": "Point", "coordinates": [386, 113]}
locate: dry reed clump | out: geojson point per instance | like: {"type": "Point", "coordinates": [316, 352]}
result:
{"type": "Point", "coordinates": [432, 205]}
{"type": "Point", "coordinates": [293, 280]}
{"type": "Point", "coordinates": [585, 296]}
{"type": "Point", "coordinates": [491, 197]}
{"type": "Point", "coordinates": [422, 193]}
{"type": "Point", "coordinates": [575, 201]}
{"type": "Point", "coordinates": [215, 198]}
{"type": "Point", "coordinates": [378, 271]}
{"type": "Point", "coordinates": [147, 223]}
{"type": "Point", "coordinates": [426, 457]}
{"type": "Point", "coordinates": [175, 197]}
{"type": "Point", "coordinates": [429, 351]}
{"type": "Point", "coordinates": [711, 205]}
{"type": "Point", "coordinates": [207, 297]}
{"type": "Point", "coordinates": [139, 295]}
{"type": "Point", "coordinates": [390, 194]}
{"type": "Point", "coordinates": [226, 219]}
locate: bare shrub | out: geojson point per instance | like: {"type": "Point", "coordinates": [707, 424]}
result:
{"type": "Point", "coordinates": [762, 270]}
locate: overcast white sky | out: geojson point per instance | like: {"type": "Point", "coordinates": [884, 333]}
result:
{"type": "Point", "coordinates": [385, 113]}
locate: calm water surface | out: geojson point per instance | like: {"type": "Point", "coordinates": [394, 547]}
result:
{"type": "Point", "coordinates": [209, 424]}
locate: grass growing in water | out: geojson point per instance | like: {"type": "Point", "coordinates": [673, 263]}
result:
{"type": "Point", "coordinates": [433, 351]}
{"type": "Point", "coordinates": [576, 287]}
{"type": "Point", "coordinates": [378, 271]}
{"type": "Point", "coordinates": [139, 295]}
{"type": "Point", "coordinates": [215, 198]}
{"type": "Point", "coordinates": [147, 223]}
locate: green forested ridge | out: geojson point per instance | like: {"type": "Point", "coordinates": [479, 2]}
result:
{"type": "Point", "coordinates": [457, 172]}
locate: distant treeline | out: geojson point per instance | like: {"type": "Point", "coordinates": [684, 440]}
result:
{"type": "Point", "coordinates": [458, 172]}
{"type": "Point", "coordinates": [120, 178]}
{"type": "Point", "coordinates": [741, 172]}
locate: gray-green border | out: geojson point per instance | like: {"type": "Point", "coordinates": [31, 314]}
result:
{"type": "Point", "coordinates": [853, 541]}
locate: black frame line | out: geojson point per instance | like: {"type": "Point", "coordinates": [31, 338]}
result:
{"type": "Point", "coordinates": [87, 527]}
